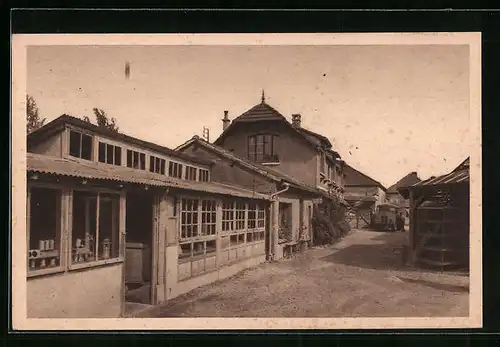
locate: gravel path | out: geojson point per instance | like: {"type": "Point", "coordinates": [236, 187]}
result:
{"type": "Point", "coordinates": [362, 275]}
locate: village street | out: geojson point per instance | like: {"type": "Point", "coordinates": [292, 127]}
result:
{"type": "Point", "coordinates": [362, 275]}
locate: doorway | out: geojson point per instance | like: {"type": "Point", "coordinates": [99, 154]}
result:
{"type": "Point", "coordinates": [139, 247]}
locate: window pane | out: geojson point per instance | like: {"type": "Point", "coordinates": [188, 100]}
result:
{"type": "Point", "coordinates": [130, 162]}
{"type": "Point", "coordinates": [143, 161]}
{"type": "Point", "coordinates": [86, 147]}
{"type": "Point", "coordinates": [108, 226]}
{"type": "Point", "coordinates": [162, 167]}
{"type": "Point", "coordinates": [135, 160]}
{"type": "Point", "coordinates": [151, 164]}
{"type": "Point", "coordinates": [45, 228]}
{"type": "Point", "coordinates": [102, 152]}
{"type": "Point", "coordinates": [74, 144]}
{"type": "Point", "coordinates": [84, 227]}
{"type": "Point", "coordinates": [110, 154]}
{"type": "Point", "coordinates": [118, 156]}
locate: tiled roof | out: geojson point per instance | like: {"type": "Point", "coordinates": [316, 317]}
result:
{"type": "Point", "coordinates": [59, 123]}
{"type": "Point", "coordinates": [264, 112]}
{"type": "Point", "coordinates": [37, 163]}
{"type": "Point", "coordinates": [357, 178]}
{"type": "Point", "coordinates": [406, 181]}
{"type": "Point", "coordinates": [272, 174]}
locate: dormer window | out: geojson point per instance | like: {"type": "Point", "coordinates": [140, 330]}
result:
{"type": "Point", "coordinates": [262, 148]}
{"type": "Point", "coordinates": [80, 145]}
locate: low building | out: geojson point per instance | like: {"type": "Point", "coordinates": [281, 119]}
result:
{"type": "Point", "coordinates": [113, 220]}
{"type": "Point", "coordinates": [439, 219]}
{"type": "Point", "coordinates": [392, 193]}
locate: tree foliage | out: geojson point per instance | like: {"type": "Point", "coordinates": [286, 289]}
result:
{"type": "Point", "coordinates": [329, 222]}
{"type": "Point", "coordinates": [103, 120]}
{"type": "Point", "coordinates": [33, 120]}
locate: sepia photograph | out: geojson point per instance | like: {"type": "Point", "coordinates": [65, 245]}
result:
{"type": "Point", "coordinates": [257, 181]}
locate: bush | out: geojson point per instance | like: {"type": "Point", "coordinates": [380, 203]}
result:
{"type": "Point", "coordinates": [329, 224]}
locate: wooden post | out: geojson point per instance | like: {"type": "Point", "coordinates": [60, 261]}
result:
{"type": "Point", "coordinates": [411, 236]}
{"type": "Point", "coordinates": [274, 227]}
{"type": "Point", "coordinates": [218, 229]}
{"type": "Point", "coordinates": [121, 245]}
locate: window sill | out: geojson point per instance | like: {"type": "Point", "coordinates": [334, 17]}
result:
{"type": "Point", "coordinates": [197, 239]}
{"type": "Point", "coordinates": [43, 272]}
{"type": "Point", "coordinates": [95, 263]}
{"type": "Point", "coordinates": [274, 163]}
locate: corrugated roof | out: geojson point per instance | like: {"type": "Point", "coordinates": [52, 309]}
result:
{"type": "Point", "coordinates": [59, 123]}
{"type": "Point", "coordinates": [90, 170]}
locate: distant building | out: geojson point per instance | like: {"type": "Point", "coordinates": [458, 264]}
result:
{"type": "Point", "coordinates": [364, 194]}
{"type": "Point", "coordinates": [394, 197]}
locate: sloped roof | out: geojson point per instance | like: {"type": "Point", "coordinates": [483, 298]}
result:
{"type": "Point", "coordinates": [43, 164]}
{"type": "Point", "coordinates": [406, 181]}
{"type": "Point", "coordinates": [459, 176]}
{"type": "Point", "coordinates": [272, 174]}
{"type": "Point", "coordinates": [355, 177]}
{"type": "Point", "coordinates": [59, 123]}
{"type": "Point", "coordinates": [265, 112]}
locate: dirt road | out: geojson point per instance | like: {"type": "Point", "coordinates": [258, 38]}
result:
{"type": "Point", "coordinates": [362, 275]}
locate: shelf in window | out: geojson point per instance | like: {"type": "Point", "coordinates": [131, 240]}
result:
{"type": "Point", "coordinates": [97, 263]}
{"type": "Point", "coordinates": [45, 271]}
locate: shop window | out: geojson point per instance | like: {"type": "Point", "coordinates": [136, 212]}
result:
{"type": "Point", "coordinates": [240, 216]}
{"type": "Point", "coordinates": [175, 169]}
{"type": "Point", "coordinates": [190, 173]}
{"type": "Point", "coordinates": [80, 145]}
{"type": "Point", "coordinates": [136, 160]}
{"type": "Point", "coordinates": [95, 234]}
{"type": "Point", "coordinates": [110, 154]}
{"type": "Point", "coordinates": [203, 175]}
{"type": "Point", "coordinates": [261, 217]}
{"type": "Point", "coordinates": [44, 232]}
{"type": "Point", "coordinates": [156, 165]}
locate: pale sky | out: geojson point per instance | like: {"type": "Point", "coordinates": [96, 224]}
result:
{"type": "Point", "coordinates": [388, 110]}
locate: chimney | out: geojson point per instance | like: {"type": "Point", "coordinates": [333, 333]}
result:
{"type": "Point", "coordinates": [225, 121]}
{"type": "Point", "coordinates": [296, 119]}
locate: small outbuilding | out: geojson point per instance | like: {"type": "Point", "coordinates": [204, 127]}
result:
{"type": "Point", "coordinates": [439, 219]}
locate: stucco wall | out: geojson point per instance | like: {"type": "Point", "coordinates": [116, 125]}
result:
{"type": "Point", "coordinates": [297, 158]}
{"type": "Point", "coordinates": [92, 293]}
{"type": "Point", "coordinates": [51, 146]}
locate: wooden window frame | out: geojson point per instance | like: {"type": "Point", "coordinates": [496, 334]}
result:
{"type": "Point", "coordinates": [175, 169]}
{"type": "Point", "coordinates": [190, 173]}
{"type": "Point", "coordinates": [157, 165]}
{"type": "Point", "coordinates": [140, 160]}
{"type": "Point", "coordinates": [262, 148]}
{"type": "Point", "coordinates": [202, 173]}
{"type": "Point", "coordinates": [106, 145]}
{"type": "Point", "coordinates": [80, 148]}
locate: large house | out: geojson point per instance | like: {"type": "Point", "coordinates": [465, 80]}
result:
{"type": "Point", "coordinates": [263, 135]}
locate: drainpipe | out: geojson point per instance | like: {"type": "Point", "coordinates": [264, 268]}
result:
{"type": "Point", "coordinates": [273, 196]}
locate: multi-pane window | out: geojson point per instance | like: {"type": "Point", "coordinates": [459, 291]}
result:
{"type": "Point", "coordinates": [240, 216]}
{"type": "Point", "coordinates": [208, 216]}
{"type": "Point", "coordinates": [136, 159]}
{"type": "Point", "coordinates": [44, 232]}
{"type": "Point", "coordinates": [252, 216]}
{"type": "Point", "coordinates": [80, 145]}
{"type": "Point", "coordinates": [189, 218]}
{"type": "Point", "coordinates": [262, 148]}
{"type": "Point", "coordinates": [175, 169]}
{"type": "Point", "coordinates": [202, 175]}
{"type": "Point", "coordinates": [95, 233]}
{"type": "Point", "coordinates": [227, 217]}
{"type": "Point", "coordinates": [261, 217]}
{"type": "Point", "coordinates": [156, 164]}
{"type": "Point", "coordinates": [110, 154]}
{"type": "Point", "coordinates": [190, 173]}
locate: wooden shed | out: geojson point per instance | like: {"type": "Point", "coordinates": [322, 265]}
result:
{"type": "Point", "coordinates": [439, 219]}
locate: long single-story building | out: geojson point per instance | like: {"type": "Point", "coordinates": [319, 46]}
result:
{"type": "Point", "coordinates": [114, 222]}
